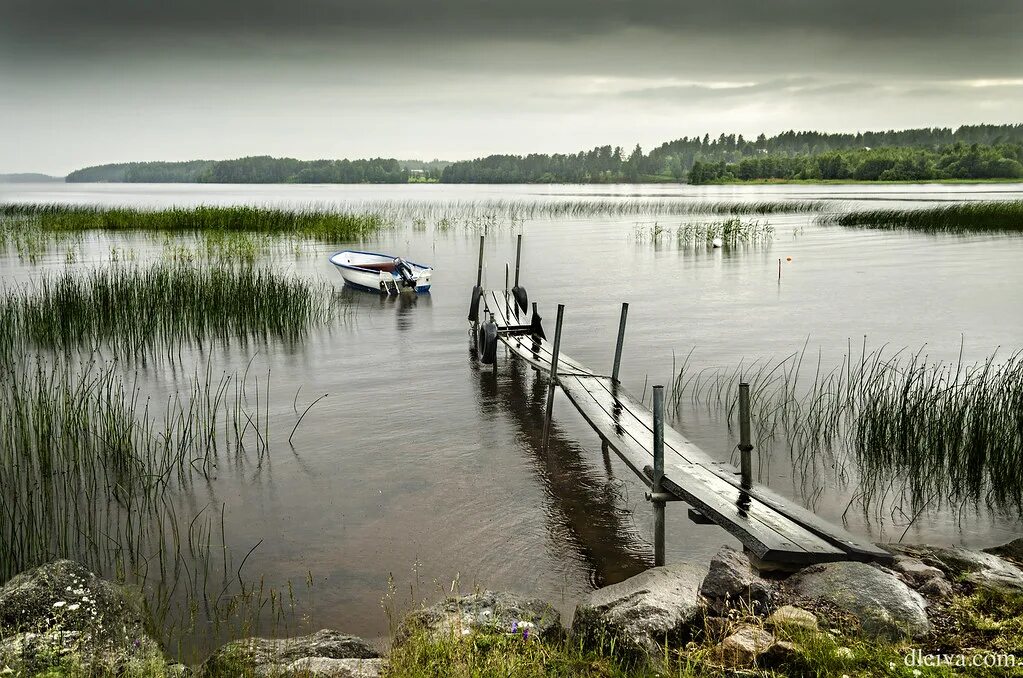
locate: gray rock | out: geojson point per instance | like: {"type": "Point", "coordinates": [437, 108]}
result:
{"type": "Point", "coordinates": [937, 588]}
{"type": "Point", "coordinates": [916, 571]}
{"type": "Point", "coordinates": [324, 667]}
{"type": "Point", "coordinates": [885, 606]}
{"type": "Point", "coordinates": [643, 611]}
{"type": "Point", "coordinates": [732, 583]}
{"type": "Point", "coordinates": [976, 567]}
{"type": "Point", "coordinates": [1012, 551]}
{"type": "Point", "coordinates": [792, 616]}
{"type": "Point", "coordinates": [273, 657]}
{"type": "Point", "coordinates": [743, 647]}
{"type": "Point", "coordinates": [488, 611]}
{"type": "Point", "coordinates": [63, 613]}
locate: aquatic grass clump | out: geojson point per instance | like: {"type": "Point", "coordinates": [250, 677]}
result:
{"type": "Point", "coordinates": [916, 432]}
{"type": "Point", "coordinates": [962, 217]}
{"type": "Point", "coordinates": [135, 310]}
{"type": "Point", "coordinates": [333, 225]}
{"type": "Point", "coordinates": [732, 232]}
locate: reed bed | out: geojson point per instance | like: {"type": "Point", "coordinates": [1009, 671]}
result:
{"type": "Point", "coordinates": [964, 217]}
{"type": "Point", "coordinates": [334, 225]}
{"type": "Point", "coordinates": [91, 469]}
{"type": "Point", "coordinates": [732, 232]}
{"type": "Point", "coordinates": [137, 310]}
{"type": "Point", "coordinates": [919, 434]}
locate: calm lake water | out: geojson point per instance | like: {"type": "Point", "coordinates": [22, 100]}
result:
{"type": "Point", "coordinates": [421, 465]}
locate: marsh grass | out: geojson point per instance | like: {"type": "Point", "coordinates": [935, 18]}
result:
{"type": "Point", "coordinates": [918, 433]}
{"type": "Point", "coordinates": [334, 225]}
{"type": "Point", "coordinates": [732, 232]}
{"type": "Point", "coordinates": [962, 217]}
{"type": "Point", "coordinates": [138, 310]}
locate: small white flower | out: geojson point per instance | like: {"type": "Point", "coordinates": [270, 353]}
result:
{"type": "Point", "coordinates": [59, 603]}
{"type": "Point", "coordinates": [916, 672]}
{"type": "Point", "coordinates": [73, 606]}
{"type": "Point", "coordinates": [466, 632]}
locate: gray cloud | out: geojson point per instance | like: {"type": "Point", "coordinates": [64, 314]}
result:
{"type": "Point", "coordinates": [89, 81]}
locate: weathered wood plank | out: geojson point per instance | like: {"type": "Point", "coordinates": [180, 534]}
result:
{"type": "Point", "coordinates": [760, 528]}
{"type": "Point", "coordinates": [856, 547]}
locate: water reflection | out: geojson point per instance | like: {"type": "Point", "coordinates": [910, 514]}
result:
{"type": "Point", "coordinates": [583, 502]}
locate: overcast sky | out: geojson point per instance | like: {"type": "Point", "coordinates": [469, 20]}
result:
{"type": "Point", "coordinates": [85, 82]}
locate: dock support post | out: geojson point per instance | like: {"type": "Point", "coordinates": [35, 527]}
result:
{"type": "Point", "coordinates": [621, 342]}
{"type": "Point", "coordinates": [655, 486]}
{"type": "Point", "coordinates": [479, 267]}
{"type": "Point", "coordinates": [554, 378]}
{"type": "Point", "coordinates": [745, 446]}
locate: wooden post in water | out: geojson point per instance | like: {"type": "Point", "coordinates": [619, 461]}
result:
{"type": "Point", "coordinates": [554, 378]}
{"type": "Point", "coordinates": [479, 268]}
{"type": "Point", "coordinates": [745, 446]}
{"type": "Point", "coordinates": [779, 270]}
{"type": "Point", "coordinates": [621, 342]}
{"type": "Point", "coordinates": [518, 258]}
{"type": "Point", "coordinates": [507, 309]}
{"type": "Point", "coordinates": [655, 486]}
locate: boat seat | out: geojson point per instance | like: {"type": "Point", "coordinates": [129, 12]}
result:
{"type": "Point", "coordinates": [387, 266]}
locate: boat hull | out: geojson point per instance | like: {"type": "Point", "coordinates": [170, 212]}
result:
{"type": "Point", "coordinates": [369, 272]}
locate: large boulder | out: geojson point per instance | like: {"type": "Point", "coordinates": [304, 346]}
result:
{"type": "Point", "coordinates": [980, 569]}
{"type": "Point", "coordinates": [61, 614]}
{"type": "Point", "coordinates": [732, 583]}
{"type": "Point", "coordinates": [644, 611]}
{"type": "Point", "coordinates": [489, 611]}
{"type": "Point", "coordinates": [884, 605]}
{"type": "Point", "coordinates": [324, 653]}
{"type": "Point", "coordinates": [1012, 551]}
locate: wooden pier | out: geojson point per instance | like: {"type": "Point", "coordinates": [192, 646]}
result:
{"type": "Point", "coordinates": [774, 530]}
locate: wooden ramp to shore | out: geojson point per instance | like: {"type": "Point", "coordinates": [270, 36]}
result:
{"type": "Point", "coordinates": [771, 527]}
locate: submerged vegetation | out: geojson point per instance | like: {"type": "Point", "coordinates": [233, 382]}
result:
{"type": "Point", "coordinates": [136, 310]}
{"type": "Point", "coordinates": [923, 433]}
{"type": "Point", "coordinates": [963, 217]}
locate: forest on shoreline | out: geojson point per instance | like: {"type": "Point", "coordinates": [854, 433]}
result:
{"type": "Point", "coordinates": [970, 152]}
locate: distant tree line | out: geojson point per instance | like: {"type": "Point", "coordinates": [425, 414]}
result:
{"type": "Point", "coordinates": [674, 160]}
{"type": "Point", "coordinates": [957, 161]}
{"type": "Point", "coordinates": [970, 151]}
{"type": "Point", "coordinates": [264, 170]}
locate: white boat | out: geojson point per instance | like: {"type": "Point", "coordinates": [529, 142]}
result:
{"type": "Point", "coordinates": [381, 272]}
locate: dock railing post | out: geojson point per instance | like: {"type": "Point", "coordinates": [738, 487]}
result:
{"type": "Point", "coordinates": [554, 378]}
{"type": "Point", "coordinates": [620, 344]}
{"type": "Point", "coordinates": [745, 446]}
{"type": "Point", "coordinates": [656, 489]}
{"type": "Point", "coordinates": [479, 267]}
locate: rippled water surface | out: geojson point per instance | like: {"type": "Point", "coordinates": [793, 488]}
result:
{"type": "Point", "coordinates": [421, 465]}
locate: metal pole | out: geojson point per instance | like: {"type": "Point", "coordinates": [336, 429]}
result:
{"type": "Point", "coordinates": [655, 486]}
{"type": "Point", "coordinates": [621, 343]}
{"type": "Point", "coordinates": [479, 270]}
{"type": "Point", "coordinates": [745, 447]}
{"type": "Point", "coordinates": [554, 378]}
{"type": "Point", "coordinates": [518, 258]}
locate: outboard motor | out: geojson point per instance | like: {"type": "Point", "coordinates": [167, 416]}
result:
{"type": "Point", "coordinates": [487, 341]}
{"type": "Point", "coordinates": [404, 272]}
{"type": "Point", "coordinates": [535, 326]}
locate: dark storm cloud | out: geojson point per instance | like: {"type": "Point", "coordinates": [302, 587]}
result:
{"type": "Point", "coordinates": [55, 24]}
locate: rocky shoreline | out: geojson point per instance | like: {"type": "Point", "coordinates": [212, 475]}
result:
{"type": "Point", "coordinates": [60, 619]}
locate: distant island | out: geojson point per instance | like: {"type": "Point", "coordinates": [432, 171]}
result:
{"type": "Point", "coordinates": [27, 178]}
{"type": "Point", "coordinates": [967, 153]}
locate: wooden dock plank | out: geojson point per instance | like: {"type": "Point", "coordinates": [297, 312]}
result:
{"type": "Point", "coordinates": [773, 527]}
{"type": "Point", "coordinates": [759, 527]}
{"type": "Point", "coordinates": [675, 441]}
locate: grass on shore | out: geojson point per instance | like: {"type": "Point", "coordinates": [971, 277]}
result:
{"type": "Point", "coordinates": [964, 217]}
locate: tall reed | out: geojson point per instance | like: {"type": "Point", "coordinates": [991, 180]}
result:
{"type": "Point", "coordinates": [961, 217]}
{"type": "Point", "coordinates": [928, 433]}
{"type": "Point", "coordinates": [138, 309]}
